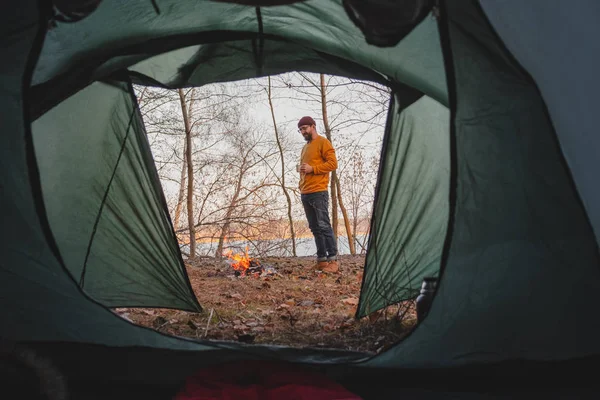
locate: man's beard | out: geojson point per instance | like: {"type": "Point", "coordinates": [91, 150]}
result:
{"type": "Point", "coordinates": [307, 137]}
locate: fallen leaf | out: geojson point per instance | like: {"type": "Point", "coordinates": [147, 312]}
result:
{"type": "Point", "coordinates": [359, 276]}
{"type": "Point", "coordinates": [373, 317]}
{"type": "Point", "coordinates": [158, 322]}
{"type": "Point", "coordinates": [350, 301]}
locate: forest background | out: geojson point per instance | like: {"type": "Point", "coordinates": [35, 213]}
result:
{"type": "Point", "coordinates": [226, 155]}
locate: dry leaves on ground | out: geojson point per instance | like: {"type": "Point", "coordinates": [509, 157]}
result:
{"type": "Point", "coordinates": [296, 307]}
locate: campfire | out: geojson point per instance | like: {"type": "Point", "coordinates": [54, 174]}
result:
{"type": "Point", "coordinates": [244, 265]}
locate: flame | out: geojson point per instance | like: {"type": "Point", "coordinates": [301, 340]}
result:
{"type": "Point", "coordinates": [241, 262]}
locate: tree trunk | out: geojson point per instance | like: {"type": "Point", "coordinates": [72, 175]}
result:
{"type": "Point", "coordinates": [182, 181]}
{"type": "Point", "coordinates": [223, 235]}
{"type": "Point", "coordinates": [285, 192]}
{"type": "Point", "coordinates": [190, 174]}
{"type": "Point", "coordinates": [182, 186]}
{"type": "Point", "coordinates": [334, 194]}
{"type": "Point", "coordinates": [349, 232]}
{"type": "Point", "coordinates": [232, 205]}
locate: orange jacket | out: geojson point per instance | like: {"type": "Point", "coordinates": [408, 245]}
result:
{"type": "Point", "coordinates": [319, 154]}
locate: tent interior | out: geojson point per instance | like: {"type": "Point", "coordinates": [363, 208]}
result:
{"type": "Point", "coordinates": [483, 182]}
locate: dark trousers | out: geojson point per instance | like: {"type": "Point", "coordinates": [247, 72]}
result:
{"type": "Point", "coordinates": [316, 207]}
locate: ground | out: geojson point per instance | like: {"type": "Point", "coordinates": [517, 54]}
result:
{"type": "Point", "coordinates": [296, 307]}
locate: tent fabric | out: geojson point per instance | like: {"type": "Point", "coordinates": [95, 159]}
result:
{"type": "Point", "coordinates": [542, 39]}
{"type": "Point", "coordinates": [519, 263]}
{"type": "Point", "coordinates": [219, 62]}
{"type": "Point", "coordinates": [39, 299]}
{"type": "Point", "coordinates": [410, 215]}
{"type": "Point", "coordinates": [117, 33]}
{"type": "Point", "coordinates": [104, 202]}
{"type": "Point", "coordinates": [386, 23]}
{"type": "Point", "coordinates": [521, 279]}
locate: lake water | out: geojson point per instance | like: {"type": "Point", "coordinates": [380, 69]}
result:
{"type": "Point", "coordinates": [272, 248]}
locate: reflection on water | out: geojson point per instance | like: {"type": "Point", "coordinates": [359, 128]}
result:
{"type": "Point", "coordinates": [272, 248]}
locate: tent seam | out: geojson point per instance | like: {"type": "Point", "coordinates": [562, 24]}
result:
{"type": "Point", "coordinates": [161, 195]}
{"type": "Point", "coordinates": [372, 242]}
{"type": "Point", "coordinates": [446, 46]}
{"type": "Point", "coordinates": [259, 50]}
{"type": "Point", "coordinates": [99, 215]}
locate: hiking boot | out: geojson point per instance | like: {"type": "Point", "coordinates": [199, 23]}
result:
{"type": "Point", "coordinates": [331, 267]}
{"type": "Point", "coordinates": [321, 265]}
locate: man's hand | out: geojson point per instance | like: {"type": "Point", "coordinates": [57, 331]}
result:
{"type": "Point", "coordinates": [306, 169]}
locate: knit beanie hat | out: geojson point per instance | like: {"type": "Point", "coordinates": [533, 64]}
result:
{"type": "Point", "coordinates": [306, 121]}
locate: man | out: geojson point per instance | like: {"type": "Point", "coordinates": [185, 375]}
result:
{"type": "Point", "coordinates": [316, 162]}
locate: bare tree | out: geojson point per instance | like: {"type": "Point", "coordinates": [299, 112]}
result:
{"type": "Point", "coordinates": [190, 174]}
{"type": "Point", "coordinates": [231, 203]}
{"type": "Point", "coordinates": [282, 179]}
{"type": "Point", "coordinates": [182, 186]}
{"type": "Point", "coordinates": [184, 164]}
{"type": "Point", "coordinates": [246, 203]}
{"type": "Point", "coordinates": [359, 188]}
{"type": "Point", "coordinates": [336, 192]}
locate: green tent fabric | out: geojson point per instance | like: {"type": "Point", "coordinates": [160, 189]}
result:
{"type": "Point", "coordinates": [499, 202]}
{"type": "Point", "coordinates": [118, 35]}
{"type": "Point", "coordinates": [40, 300]}
{"type": "Point", "coordinates": [522, 248]}
{"type": "Point", "coordinates": [411, 209]}
{"type": "Point", "coordinates": [541, 39]}
{"type": "Point", "coordinates": [219, 62]}
{"type": "Point", "coordinates": [113, 230]}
